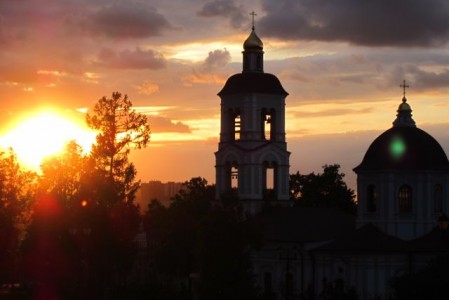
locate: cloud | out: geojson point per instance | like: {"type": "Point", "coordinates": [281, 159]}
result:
{"type": "Point", "coordinates": [160, 124]}
{"type": "Point", "coordinates": [424, 80]}
{"type": "Point", "coordinates": [127, 20]}
{"type": "Point", "coordinates": [217, 59]}
{"type": "Point", "coordinates": [146, 88]}
{"type": "Point", "coordinates": [132, 59]}
{"type": "Point", "coordinates": [373, 23]}
{"type": "Point", "coordinates": [210, 71]}
{"type": "Point", "coordinates": [332, 113]}
{"type": "Point", "coordinates": [227, 9]}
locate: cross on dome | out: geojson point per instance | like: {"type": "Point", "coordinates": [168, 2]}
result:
{"type": "Point", "coordinates": [404, 86]}
{"type": "Point", "coordinates": [253, 14]}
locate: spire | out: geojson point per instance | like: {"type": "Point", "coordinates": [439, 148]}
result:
{"type": "Point", "coordinates": [404, 112]}
{"type": "Point", "coordinates": [253, 51]}
{"type": "Point", "coordinates": [253, 42]}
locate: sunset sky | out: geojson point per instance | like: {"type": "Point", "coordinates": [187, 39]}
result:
{"type": "Point", "coordinates": [341, 62]}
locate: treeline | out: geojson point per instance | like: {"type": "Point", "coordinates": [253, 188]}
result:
{"type": "Point", "coordinates": [70, 231]}
{"type": "Point", "coordinates": [73, 231]}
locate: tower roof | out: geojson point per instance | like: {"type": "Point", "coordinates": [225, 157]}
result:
{"type": "Point", "coordinates": [252, 82]}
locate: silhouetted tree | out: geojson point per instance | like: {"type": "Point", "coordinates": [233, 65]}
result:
{"type": "Point", "coordinates": [96, 220]}
{"type": "Point", "coordinates": [193, 238]}
{"type": "Point", "coordinates": [120, 128]}
{"type": "Point", "coordinates": [113, 185]}
{"type": "Point", "coordinates": [63, 175]}
{"type": "Point", "coordinates": [16, 195]}
{"type": "Point", "coordinates": [55, 245]}
{"type": "Point", "coordinates": [326, 189]}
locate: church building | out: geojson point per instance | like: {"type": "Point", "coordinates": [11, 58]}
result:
{"type": "Point", "coordinates": [402, 189]}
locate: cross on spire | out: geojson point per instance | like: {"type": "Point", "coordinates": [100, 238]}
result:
{"type": "Point", "coordinates": [253, 14]}
{"type": "Point", "coordinates": [404, 86]}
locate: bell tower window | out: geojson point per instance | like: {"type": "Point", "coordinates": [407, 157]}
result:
{"type": "Point", "coordinates": [237, 126]}
{"type": "Point", "coordinates": [269, 183]}
{"type": "Point", "coordinates": [234, 177]}
{"type": "Point", "coordinates": [268, 122]}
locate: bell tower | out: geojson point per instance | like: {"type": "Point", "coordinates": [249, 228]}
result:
{"type": "Point", "coordinates": [252, 158]}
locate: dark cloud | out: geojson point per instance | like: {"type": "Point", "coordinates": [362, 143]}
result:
{"type": "Point", "coordinates": [217, 59]}
{"type": "Point", "coordinates": [227, 9]}
{"type": "Point", "coordinates": [419, 79]}
{"type": "Point", "coordinates": [424, 80]}
{"type": "Point", "coordinates": [135, 59]}
{"type": "Point", "coordinates": [127, 20]}
{"type": "Point", "coordinates": [372, 23]}
{"type": "Point", "coordinates": [162, 124]}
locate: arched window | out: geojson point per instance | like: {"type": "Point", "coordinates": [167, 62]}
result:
{"type": "Point", "coordinates": [268, 124]}
{"type": "Point", "coordinates": [234, 177]}
{"type": "Point", "coordinates": [438, 198]}
{"type": "Point", "coordinates": [371, 197]}
{"type": "Point", "coordinates": [233, 124]}
{"type": "Point", "coordinates": [269, 180]}
{"type": "Point", "coordinates": [405, 199]}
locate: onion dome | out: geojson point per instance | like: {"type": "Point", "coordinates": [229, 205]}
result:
{"type": "Point", "coordinates": [253, 42]}
{"type": "Point", "coordinates": [404, 147]}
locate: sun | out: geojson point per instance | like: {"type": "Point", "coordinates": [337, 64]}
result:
{"type": "Point", "coordinates": [44, 134]}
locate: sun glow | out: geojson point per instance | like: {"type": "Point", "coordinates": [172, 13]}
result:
{"type": "Point", "coordinates": [45, 134]}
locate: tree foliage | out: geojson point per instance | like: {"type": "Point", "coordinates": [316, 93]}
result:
{"type": "Point", "coordinates": [16, 197]}
{"type": "Point", "coordinates": [63, 175]}
{"type": "Point", "coordinates": [85, 215]}
{"type": "Point", "coordinates": [326, 189]}
{"type": "Point", "coordinates": [119, 128]}
{"type": "Point", "coordinates": [194, 237]}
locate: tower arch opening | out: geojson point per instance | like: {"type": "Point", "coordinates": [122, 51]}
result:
{"type": "Point", "coordinates": [269, 183]}
{"type": "Point", "coordinates": [268, 123]}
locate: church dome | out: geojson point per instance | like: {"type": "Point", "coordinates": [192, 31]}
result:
{"type": "Point", "coordinates": [404, 147]}
{"type": "Point", "coordinates": [253, 42]}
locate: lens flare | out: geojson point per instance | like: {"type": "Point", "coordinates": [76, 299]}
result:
{"type": "Point", "coordinates": [397, 147]}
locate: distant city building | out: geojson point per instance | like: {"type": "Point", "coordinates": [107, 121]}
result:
{"type": "Point", "coordinates": [156, 190]}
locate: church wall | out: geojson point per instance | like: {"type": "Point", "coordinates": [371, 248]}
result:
{"type": "Point", "coordinates": [370, 275]}
{"type": "Point", "coordinates": [420, 220]}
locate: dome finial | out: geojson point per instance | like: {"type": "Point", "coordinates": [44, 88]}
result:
{"type": "Point", "coordinates": [404, 116]}
{"type": "Point", "coordinates": [253, 42]}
